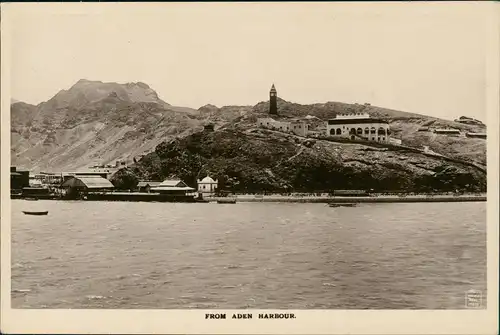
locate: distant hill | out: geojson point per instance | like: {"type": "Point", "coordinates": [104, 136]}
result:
{"type": "Point", "coordinates": [98, 123]}
{"type": "Point", "coordinates": [94, 122]}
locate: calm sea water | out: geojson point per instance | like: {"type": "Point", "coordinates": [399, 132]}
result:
{"type": "Point", "coordinates": [247, 255]}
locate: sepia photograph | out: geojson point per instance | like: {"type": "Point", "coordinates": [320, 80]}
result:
{"type": "Point", "coordinates": [249, 167]}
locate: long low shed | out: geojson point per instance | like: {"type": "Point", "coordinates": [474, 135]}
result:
{"type": "Point", "coordinates": [88, 183]}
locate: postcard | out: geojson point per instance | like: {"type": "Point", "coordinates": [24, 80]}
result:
{"type": "Point", "coordinates": [249, 168]}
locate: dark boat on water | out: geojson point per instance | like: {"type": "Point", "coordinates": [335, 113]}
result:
{"type": "Point", "coordinates": [342, 205]}
{"type": "Point", "coordinates": [36, 213]}
{"type": "Point", "coordinates": [226, 201]}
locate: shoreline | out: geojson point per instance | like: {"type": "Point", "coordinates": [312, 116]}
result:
{"type": "Point", "coordinates": [362, 199]}
{"type": "Point", "coordinates": [145, 197]}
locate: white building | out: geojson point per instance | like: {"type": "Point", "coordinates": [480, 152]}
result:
{"type": "Point", "coordinates": [207, 186]}
{"type": "Point", "coordinates": [299, 127]}
{"type": "Point", "coordinates": [395, 141]}
{"type": "Point", "coordinates": [295, 126]}
{"type": "Point", "coordinates": [358, 126]}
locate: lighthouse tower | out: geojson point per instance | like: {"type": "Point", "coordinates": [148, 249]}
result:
{"type": "Point", "coordinates": [273, 104]}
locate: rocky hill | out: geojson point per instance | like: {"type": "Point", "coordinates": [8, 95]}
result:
{"type": "Point", "coordinates": [98, 123]}
{"type": "Point", "coordinates": [257, 160]}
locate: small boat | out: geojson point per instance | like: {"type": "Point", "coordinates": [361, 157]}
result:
{"type": "Point", "coordinates": [36, 213]}
{"type": "Point", "coordinates": [226, 201]}
{"type": "Point", "coordinates": [342, 204]}
{"type": "Point", "coordinates": [31, 199]}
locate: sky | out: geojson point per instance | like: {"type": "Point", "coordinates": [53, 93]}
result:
{"type": "Point", "coordinates": [427, 58]}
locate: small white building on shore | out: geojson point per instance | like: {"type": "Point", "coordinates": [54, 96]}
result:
{"type": "Point", "coordinates": [207, 186]}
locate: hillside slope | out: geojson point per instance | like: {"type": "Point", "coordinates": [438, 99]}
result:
{"type": "Point", "coordinates": [403, 125]}
{"type": "Point", "coordinates": [258, 160]}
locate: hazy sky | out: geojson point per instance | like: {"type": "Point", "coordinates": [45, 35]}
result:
{"type": "Point", "coordinates": [425, 58]}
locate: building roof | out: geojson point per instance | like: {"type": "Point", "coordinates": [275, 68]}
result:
{"type": "Point", "coordinates": [144, 183]}
{"type": "Point", "coordinates": [445, 130]}
{"type": "Point", "coordinates": [88, 182]}
{"type": "Point", "coordinates": [207, 180]}
{"type": "Point", "coordinates": [15, 174]}
{"type": "Point", "coordinates": [356, 121]}
{"type": "Point", "coordinates": [273, 89]}
{"type": "Point", "coordinates": [172, 183]}
{"type": "Point", "coordinates": [172, 188]}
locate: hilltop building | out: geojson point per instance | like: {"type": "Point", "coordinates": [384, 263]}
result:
{"type": "Point", "coordinates": [476, 135]}
{"type": "Point", "coordinates": [295, 126]}
{"type": "Point", "coordinates": [447, 131]}
{"type": "Point", "coordinates": [208, 127]}
{"type": "Point", "coordinates": [273, 101]}
{"type": "Point", "coordinates": [358, 126]}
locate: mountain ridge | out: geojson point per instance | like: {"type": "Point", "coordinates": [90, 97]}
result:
{"type": "Point", "coordinates": [94, 122]}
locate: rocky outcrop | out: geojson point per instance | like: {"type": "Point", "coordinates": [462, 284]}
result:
{"type": "Point", "coordinates": [260, 161]}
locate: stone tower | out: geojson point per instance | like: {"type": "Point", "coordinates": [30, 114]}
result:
{"type": "Point", "coordinates": [273, 103]}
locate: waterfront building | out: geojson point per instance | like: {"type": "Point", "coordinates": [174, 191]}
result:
{"type": "Point", "coordinates": [47, 178]}
{"type": "Point", "coordinates": [19, 179]}
{"type": "Point", "coordinates": [145, 185]}
{"type": "Point", "coordinates": [358, 126]}
{"type": "Point", "coordinates": [207, 186]}
{"type": "Point", "coordinates": [87, 183]}
{"type": "Point", "coordinates": [173, 187]}
{"type": "Point", "coordinates": [273, 101]}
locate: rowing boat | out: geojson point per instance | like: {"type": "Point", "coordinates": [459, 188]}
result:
{"type": "Point", "coordinates": [36, 213]}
